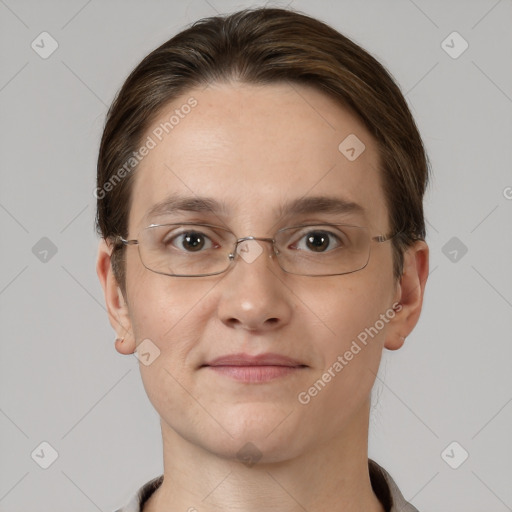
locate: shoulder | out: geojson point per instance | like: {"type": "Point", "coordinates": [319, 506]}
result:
{"type": "Point", "coordinates": [142, 495]}
{"type": "Point", "coordinates": [387, 490]}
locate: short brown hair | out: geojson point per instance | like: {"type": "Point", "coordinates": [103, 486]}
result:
{"type": "Point", "coordinates": [265, 46]}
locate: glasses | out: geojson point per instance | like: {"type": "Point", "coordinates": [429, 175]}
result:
{"type": "Point", "coordinates": [198, 250]}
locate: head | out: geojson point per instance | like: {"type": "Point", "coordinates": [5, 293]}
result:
{"type": "Point", "coordinates": [252, 110]}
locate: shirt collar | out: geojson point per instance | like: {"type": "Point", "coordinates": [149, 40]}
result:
{"type": "Point", "coordinates": [383, 486]}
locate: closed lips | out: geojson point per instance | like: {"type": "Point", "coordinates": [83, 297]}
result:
{"type": "Point", "coordinates": [257, 360]}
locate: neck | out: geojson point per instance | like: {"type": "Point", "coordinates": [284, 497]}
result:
{"type": "Point", "coordinates": [331, 475]}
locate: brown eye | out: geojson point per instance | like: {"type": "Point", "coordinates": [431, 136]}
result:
{"type": "Point", "coordinates": [317, 241]}
{"type": "Point", "coordinates": [188, 241]}
{"type": "Point", "coordinates": [193, 241]}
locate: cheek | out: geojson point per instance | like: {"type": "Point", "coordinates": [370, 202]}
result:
{"type": "Point", "coordinates": [351, 310]}
{"type": "Point", "coordinates": [164, 310]}
{"type": "Point", "coordinates": [172, 313]}
{"type": "Point", "coordinates": [163, 307]}
{"type": "Point", "coordinates": [354, 310]}
{"type": "Point", "coordinates": [347, 305]}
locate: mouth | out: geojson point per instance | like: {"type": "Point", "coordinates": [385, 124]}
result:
{"type": "Point", "coordinates": [254, 369]}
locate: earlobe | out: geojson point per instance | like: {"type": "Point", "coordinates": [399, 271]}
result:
{"type": "Point", "coordinates": [117, 308]}
{"type": "Point", "coordinates": [395, 343]}
{"type": "Point", "coordinates": [123, 347]}
{"type": "Point", "coordinates": [410, 294]}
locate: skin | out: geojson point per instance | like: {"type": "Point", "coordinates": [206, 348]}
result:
{"type": "Point", "coordinates": [254, 148]}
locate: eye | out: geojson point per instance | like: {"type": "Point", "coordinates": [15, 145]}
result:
{"type": "Point", "coordinates": [318, 241]}
{"type": "Point", "coordinates": [190, 241]}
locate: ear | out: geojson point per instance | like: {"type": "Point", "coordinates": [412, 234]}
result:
{"type": "Point", "coordinates": [117, 306]}
{"type": "Point", "coordinates": [409, 295]}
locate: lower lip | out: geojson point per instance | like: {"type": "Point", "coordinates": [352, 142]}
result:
{"type": "Point", "coordinates": [255, 374]}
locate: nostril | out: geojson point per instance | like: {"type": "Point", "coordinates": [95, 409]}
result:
{"type": "Point", "coordinates": [233, 322]}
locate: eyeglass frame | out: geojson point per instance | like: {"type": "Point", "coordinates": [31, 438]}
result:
{"type": "Point", "coordinates": [231, 256]}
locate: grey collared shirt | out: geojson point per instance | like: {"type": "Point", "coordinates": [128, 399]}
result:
{"type": "Point", "coordinates": [383, 485]}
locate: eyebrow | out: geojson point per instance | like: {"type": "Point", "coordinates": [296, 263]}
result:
{"type": "Point", "coordinates": [178, 204]}
{"type": "Point", "coordinates": [320, 204]}
{"type": "Point", "coordinates": [302, 206]}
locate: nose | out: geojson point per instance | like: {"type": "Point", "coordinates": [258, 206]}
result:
{"type": "Point", "coordinates": [254, 296]}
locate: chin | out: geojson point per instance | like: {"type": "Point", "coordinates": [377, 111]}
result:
{"type": "Point", "coordinates": [249, 450]}
{"type": "Point", "coordinates": [260, 431]}
{"type": "Point", "coordinates": [249, 431]}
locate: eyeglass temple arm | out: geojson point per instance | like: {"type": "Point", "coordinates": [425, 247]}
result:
{"type": "Point", "coordinates": [119, 239]}
{"type": "Point", "coordinates": [384, 238]}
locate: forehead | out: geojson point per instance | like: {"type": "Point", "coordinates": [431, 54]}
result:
{"type": "Point", "coordinates": [253, 149]}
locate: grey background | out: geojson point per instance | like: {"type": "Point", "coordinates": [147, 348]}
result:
{"type": "Point", "coordinates": [61, 381]}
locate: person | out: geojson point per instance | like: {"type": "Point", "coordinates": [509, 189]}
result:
{"type": "Point", "coordinates": [260, 189]}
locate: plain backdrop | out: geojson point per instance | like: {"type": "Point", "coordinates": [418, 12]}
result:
{"type": "Point", "coordinates": [61, 381]}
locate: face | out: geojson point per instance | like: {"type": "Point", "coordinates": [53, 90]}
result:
{"type": "Point", "coordinates": [255, 150]}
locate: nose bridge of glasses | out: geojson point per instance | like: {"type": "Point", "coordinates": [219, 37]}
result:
{"type": "Point", "coordinates": [248, 249]}
{"type": "Point", "coordinates": [263, 239]}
